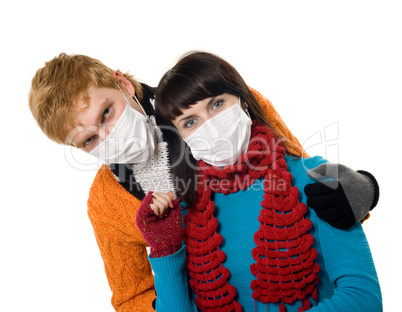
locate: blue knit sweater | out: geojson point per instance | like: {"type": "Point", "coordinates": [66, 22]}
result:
{"type": "Point", "coordinates": [348, 280]}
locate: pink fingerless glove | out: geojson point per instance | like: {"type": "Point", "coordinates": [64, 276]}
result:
{"type": "Point", "coordinates": [164, 235]}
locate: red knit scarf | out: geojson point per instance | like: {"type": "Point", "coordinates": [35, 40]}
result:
{"type": "Point", "coordinates": [285, 270]}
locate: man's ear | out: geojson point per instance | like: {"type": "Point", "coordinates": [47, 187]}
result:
{"type": "Point", "coordinates": [124, 83]}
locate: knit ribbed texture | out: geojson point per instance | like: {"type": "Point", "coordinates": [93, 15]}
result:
{"type": "Point", "coordinates": [165, 234]}
{"type": "Point", "coordinates": [171, 283]}
{"type": "Point", "coordinates": [112, 212]}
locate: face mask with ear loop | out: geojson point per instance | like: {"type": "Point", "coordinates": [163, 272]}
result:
{"type": "Point", "coordinates": [222, 139]}
{"type": "Point", "coordinates": [132, 139]}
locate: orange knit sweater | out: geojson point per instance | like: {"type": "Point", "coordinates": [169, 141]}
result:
{"type": "Point", "coordinates": [112, 211]}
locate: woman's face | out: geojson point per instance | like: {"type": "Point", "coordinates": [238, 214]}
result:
{"type": "Point", "coordinates": [199, 112]}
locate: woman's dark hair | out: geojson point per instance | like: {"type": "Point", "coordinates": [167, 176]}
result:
{"type": "Point", "coordinates": [197, 76]}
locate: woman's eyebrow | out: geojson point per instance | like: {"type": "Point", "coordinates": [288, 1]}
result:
{"type": "Point", "coordinates": [212, 100]}
{"type": "Point", "coordinates": [185, 118]}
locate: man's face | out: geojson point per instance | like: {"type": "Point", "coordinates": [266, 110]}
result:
{"type": "Point", "coordinates": [95, 118]}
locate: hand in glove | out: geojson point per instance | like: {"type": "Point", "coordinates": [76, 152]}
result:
{"type": "Point", "coordinates": [342, 196]}
{"type": "Point", "coordinates": [160, 226]}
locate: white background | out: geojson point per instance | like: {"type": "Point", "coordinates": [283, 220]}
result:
{"type": "Point", "coordinates": [334, 65]}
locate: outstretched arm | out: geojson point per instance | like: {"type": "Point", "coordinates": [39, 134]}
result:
{"type": "Point", "coordinates": [341, 196]}
{"type": "Point", "coordinates": [343, 206]}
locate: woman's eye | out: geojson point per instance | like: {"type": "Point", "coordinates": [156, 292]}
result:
{"type": "Point", "coordinates": [218, 104]}
{"type": "Point", "coordinates": [190, 123]}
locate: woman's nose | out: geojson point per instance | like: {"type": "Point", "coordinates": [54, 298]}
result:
{"type": "Point", "coordinates": [205, 116]}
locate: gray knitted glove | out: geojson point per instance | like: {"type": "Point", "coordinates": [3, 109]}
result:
{"type": "Point", "coordinates": [342, 196]}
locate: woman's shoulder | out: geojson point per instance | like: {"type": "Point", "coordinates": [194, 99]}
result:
{"type": "Point", "coordinates": [300, 165]}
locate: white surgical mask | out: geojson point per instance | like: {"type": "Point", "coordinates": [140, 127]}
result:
{"type": "Point", "coordinates": [132, 139]}
{"type": "Point", "coordinates": [222, 139]}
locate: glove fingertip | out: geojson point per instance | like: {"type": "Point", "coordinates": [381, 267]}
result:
{"type": "Point", "coordinates": [318, 172]}
{"type": "Point", "coordinates": [309, 189]}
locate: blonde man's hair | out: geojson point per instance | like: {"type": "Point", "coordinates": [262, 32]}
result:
{"type": "Point", "coordinates": [60, 83]}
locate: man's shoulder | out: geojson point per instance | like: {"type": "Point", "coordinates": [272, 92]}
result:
{"type": "Point", "coordinates": [107, 196]}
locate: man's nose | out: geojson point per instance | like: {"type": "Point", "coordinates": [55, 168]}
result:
{"type": "Point", "coordinates": [104, 131]}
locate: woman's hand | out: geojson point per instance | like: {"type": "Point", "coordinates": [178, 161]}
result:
{"type": "Point", "coordinates": [160, 202]}
{"type": "Point", "coordinates": [160, 225]}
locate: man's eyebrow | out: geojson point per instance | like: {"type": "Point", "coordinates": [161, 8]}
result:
{"type": "Point", "coordinates": [82, 140]}
{"type": "Point", "coordinates": [103, 105]}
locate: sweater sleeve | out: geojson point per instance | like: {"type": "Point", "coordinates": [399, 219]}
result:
{"type": "Point", "coordinates": [172, 289]}
{"type": "Point", "coordinates": [127, 269]}
{"type": "Point", "coordinates": [350, 267]}
{"type": "Point", "coordinates": [277, 124]}
{"type": "Point", "coordinates": [112, 211]}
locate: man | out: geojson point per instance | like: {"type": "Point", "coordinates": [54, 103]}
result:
{"type": "Point", "coordinates": [77, 100]}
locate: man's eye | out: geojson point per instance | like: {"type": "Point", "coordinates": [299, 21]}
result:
{"type": "Point", "coordinates": [190, 123]}
{"type": "Point", "coordinates": [106, 112]}
{"type": "Point", "coordinates": [89, 141]}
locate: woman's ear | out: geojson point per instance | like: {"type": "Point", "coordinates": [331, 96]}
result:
{"type": "Point", "coordinates": [243, 103]}
{"type": "Point", "coordinates": [124, 83]}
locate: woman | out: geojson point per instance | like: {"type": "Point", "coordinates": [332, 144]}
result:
{"type": "Point", "coordinates": [252, 243]}
{"type": "Point", "coordinates": [77, 100]}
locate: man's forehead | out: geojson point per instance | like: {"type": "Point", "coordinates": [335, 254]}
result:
{"type": "Point", "coordinates": [87, 106]}
{"type": "Point", "coordinates": [83, 99]}
{"type": "Point", "coordinates": [80, 124]}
